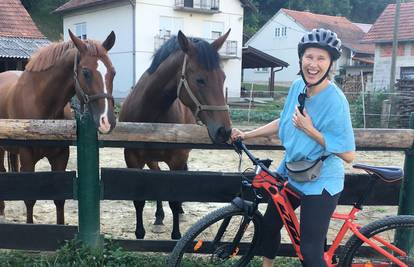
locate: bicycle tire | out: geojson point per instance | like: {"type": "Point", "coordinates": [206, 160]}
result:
{"type": "Point", "coordinates": [384, 228]}
{"type": "Point", "coordinates": [210, 219]}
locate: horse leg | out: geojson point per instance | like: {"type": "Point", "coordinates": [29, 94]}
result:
{"type": "Point", "coordinates": [28, 165]}
{"type": "Point", "coordinates": [159, 213]}
{"type": "Point", "coordinates": [132, 161]}
{"type": "Point", "coordinates": [2, 169]}
{"type": "Point", "coordinates": [139, 230]}
{"type": "Point", "coordinates": [178, 162]}
{"type": "Point", "coordinates": [58, 162]}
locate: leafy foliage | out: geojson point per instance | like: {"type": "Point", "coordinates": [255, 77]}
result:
{"type": "Point", "coordinates": [373, 106]}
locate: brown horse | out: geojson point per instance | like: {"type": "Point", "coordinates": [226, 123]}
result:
{"type": "Point", "coordinates": [52, 77]}
{"type": "Point", "coordinates": [184, 82]}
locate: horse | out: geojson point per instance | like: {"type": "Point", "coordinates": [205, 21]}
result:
{"type": "Point", "coordinates": [53, 75]}
{"type": "Point", "coordinates": [183, 84]}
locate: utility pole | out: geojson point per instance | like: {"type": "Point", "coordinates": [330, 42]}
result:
{"type": "Point", "coordinates": [395, 44]}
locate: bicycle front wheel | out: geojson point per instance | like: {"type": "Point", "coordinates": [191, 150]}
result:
{"type": "Point", "coordinates": [225, 237]}
{"type": "Point", "coordinates": [385, 233]}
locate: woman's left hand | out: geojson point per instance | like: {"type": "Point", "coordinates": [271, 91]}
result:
{"type": "Point", "coordinates": [302, 122]}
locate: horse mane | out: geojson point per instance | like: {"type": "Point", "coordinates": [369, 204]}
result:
{"type": "Point", "coordinates": [46, 57]}
{"type": "Point", "coordinates": [207, 55]}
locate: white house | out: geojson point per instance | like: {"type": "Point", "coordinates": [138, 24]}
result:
{"type": "Point", "coordinates": [381, 34]}
{"type": "Point", "coordinates": [280, 35]}
{"type": "Point", "coordinates": [141, 26]}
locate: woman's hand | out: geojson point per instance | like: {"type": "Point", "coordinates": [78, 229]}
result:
{"type": "Point", "coordinates": [237, 134]}
{"type": "Point", "coordinates": [302, 122]}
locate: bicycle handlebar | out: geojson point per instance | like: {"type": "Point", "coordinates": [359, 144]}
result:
{"type": "Point", "coordinates": [240, 146]}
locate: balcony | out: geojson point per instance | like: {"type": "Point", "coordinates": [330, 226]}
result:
{"type": "Point", "coordinates": [228, 50]}
{"type": "Point", "coordinates": [198, 6]}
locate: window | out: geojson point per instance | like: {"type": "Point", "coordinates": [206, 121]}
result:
{"type": "Point", "coordinates": [80, 30]}
{"type": "Point", "coordinates": [280, 31]}
{"type": "Point", "coordinates": [213, 29]}
{"type": "Point", "coordinates": [170, 26]}
{"type": "Point", "coordinates": [262, 70]}
{"type": "Point", "coordinates": [407, 73]}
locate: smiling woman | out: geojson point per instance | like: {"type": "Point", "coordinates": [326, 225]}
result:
{"type": "Point", "coordinates": [315, 129]}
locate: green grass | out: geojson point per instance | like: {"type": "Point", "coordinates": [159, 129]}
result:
{"type": "Point", "coordinates": [264, 87]}
{"type": "Point", "coordinates": [74, 254]}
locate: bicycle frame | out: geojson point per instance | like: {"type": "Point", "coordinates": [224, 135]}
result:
{"type": "Point", "coordinates": [278, 191]}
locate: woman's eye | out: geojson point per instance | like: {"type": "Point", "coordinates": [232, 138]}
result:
{"type": "Point", "coordinates": [201, 81]}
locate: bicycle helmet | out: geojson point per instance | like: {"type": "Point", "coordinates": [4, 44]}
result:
{"type": "Point", "coordinates": [321, 38]}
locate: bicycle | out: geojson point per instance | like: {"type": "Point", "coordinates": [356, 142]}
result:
{"type": "Point", "coordinates": [232, 233]}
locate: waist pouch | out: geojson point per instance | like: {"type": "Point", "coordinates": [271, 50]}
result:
{"type": "Point", "coordinates": [305, 170]}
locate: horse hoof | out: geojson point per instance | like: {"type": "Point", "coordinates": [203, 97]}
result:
{"type": "Point", "coordinates": [158, 228]}
{"type": "Point", "coordinates": [140, 234]}
{"type": "Point", "coordinates": [175, 236]}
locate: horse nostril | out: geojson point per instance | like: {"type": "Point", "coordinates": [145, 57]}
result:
{"type": "Point", "coordinates": [222, 134]}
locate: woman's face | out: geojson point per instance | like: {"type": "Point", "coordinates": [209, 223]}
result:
{"type": "Point", "coordinates": [315, 63]}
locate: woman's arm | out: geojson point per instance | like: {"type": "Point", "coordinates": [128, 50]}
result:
{"type": "Point", "coordinates": [270, 129]}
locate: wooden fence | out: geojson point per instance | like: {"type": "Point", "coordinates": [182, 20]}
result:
{"type": "Point", "coordinates": [126, 184]}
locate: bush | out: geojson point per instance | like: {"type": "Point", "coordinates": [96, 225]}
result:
{"type": "Point", "coordinates": [373, 109]}
{"type": "Point", "coordinates": [260, 114]}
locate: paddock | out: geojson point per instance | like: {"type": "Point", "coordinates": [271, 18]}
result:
{"type": "Point", "coordinates": [58, 132]}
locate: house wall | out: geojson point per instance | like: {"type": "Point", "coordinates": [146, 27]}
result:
{"type": "Point", "coordinates": [382, 66]}
{"type": "Point", "coordinates": [118, 17]}
{"type": "Point", "coordinates": [282, 47]}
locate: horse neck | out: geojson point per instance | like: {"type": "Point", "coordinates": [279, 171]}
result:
{"type": "Point", "coordinates": [156, 92]}
{"type": "Point", "coordinates": [57, 86]}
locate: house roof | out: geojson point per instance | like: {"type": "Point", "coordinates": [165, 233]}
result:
{"type": "Point", "coordinates": [16, 22]}
{"type": "Point", "coordinates": [349, 33]}
{"type": "Point", "coordinates": [254, 58]}
{"type": "Point", "coordinates": [382, 30]}
{"type": "Point", "coordinates": [18, 47]}
{"type": "Point", "coordinates": [80, 4]}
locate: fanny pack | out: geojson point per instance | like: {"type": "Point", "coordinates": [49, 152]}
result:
{"type": "Point", "coordinates": [305, 170]}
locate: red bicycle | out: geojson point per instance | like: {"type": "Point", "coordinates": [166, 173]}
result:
{"type": "Point", "coordinates": [229, 236]}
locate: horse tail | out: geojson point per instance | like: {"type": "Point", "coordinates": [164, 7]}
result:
{"type": "Point", "coordinates": [13, 162]}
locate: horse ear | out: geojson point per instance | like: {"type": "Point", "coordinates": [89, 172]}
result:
{"type": "Point", "coordinates": [109, 42]}
{"type": "Point", "coordinates": [78, 42]}
{"type": "Point", "coordinates": [183, 42]}
{"type": "Point", "coordinates": [218, 43]}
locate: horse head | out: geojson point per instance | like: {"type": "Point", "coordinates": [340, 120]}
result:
{"type": "Point", "coordinates": [93, 76]}
{"type": "Point", "coordinates": [200, 87]}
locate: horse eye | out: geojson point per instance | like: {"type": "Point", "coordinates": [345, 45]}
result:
{"type": "Point", "coordinates": [201, 81]}
{"type": "Point", "coordinates": [87, 74]}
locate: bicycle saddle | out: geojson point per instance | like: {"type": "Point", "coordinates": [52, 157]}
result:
{"type": "Point", "coordinates": [389, 174]}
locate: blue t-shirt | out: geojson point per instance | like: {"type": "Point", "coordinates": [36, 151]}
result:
{"type": "Point", "coordinates": [329, 111]}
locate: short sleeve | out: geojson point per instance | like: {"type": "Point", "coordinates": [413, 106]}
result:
{"type": "Point", "coordinates": [338, 133]}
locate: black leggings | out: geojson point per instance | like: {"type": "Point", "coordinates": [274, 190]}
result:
{"type": "Point", "coordinates": [315, 215]}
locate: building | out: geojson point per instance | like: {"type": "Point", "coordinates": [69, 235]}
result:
{"type": "Point", "coordinates": [19, 36]}
{"type": "Point", "coordinates": [381, 34]}
{"type": "Point", "coordinates": [142, 26]}
{"type": "Point", "coordinates": [280, 35]}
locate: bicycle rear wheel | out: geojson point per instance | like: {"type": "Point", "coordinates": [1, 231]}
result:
{"type": "Point", "coordinates": [225, 237]}
{"type": "Point", "coordinates": [358, 252]}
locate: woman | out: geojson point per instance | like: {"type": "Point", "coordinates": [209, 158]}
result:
{"type": "Point", "coordinates": [320, 126]}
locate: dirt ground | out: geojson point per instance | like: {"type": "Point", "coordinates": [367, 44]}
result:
{"type": "Point", "coordinates": [118, 217]}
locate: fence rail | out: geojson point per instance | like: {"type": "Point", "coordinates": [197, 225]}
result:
{"type": "Point", "coordinates": [122, 184]}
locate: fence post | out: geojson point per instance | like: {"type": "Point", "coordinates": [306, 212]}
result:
{"type": "Point", "coordinates": [406, 205]}
{"type": "Point", "coordinates": [88, 185]}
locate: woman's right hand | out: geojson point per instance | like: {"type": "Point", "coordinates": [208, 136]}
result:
{"type": "Point", "coordinates": [237, 134]}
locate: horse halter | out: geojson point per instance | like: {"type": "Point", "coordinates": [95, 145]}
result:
{"type": "Point", "coordinates": [199, 106]}
{"type": "Point", "coordinates": [84, 97]}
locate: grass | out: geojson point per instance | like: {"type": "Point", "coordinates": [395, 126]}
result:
{"type": "Point", "coordinates": [264, 87]}
{"type": "Point", "coordinates": [75, 254]}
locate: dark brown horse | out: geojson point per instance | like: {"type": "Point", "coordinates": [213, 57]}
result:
{"type": "Point", "coordinates": [52, 77]}
{"type": "Point", "coordinates": [184, 82]}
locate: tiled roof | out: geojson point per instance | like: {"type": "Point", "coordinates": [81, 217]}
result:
{"type": "Point", "coordinates": [382, 30]}
{"type": "Point", "coordinates": [17, 47]}
{"type": "Point", "coordinates": [16, 22]}
{"type": "Point", "coordinates": [349, 33]}
{"type": "Point", "coordinates": [79, 4]}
